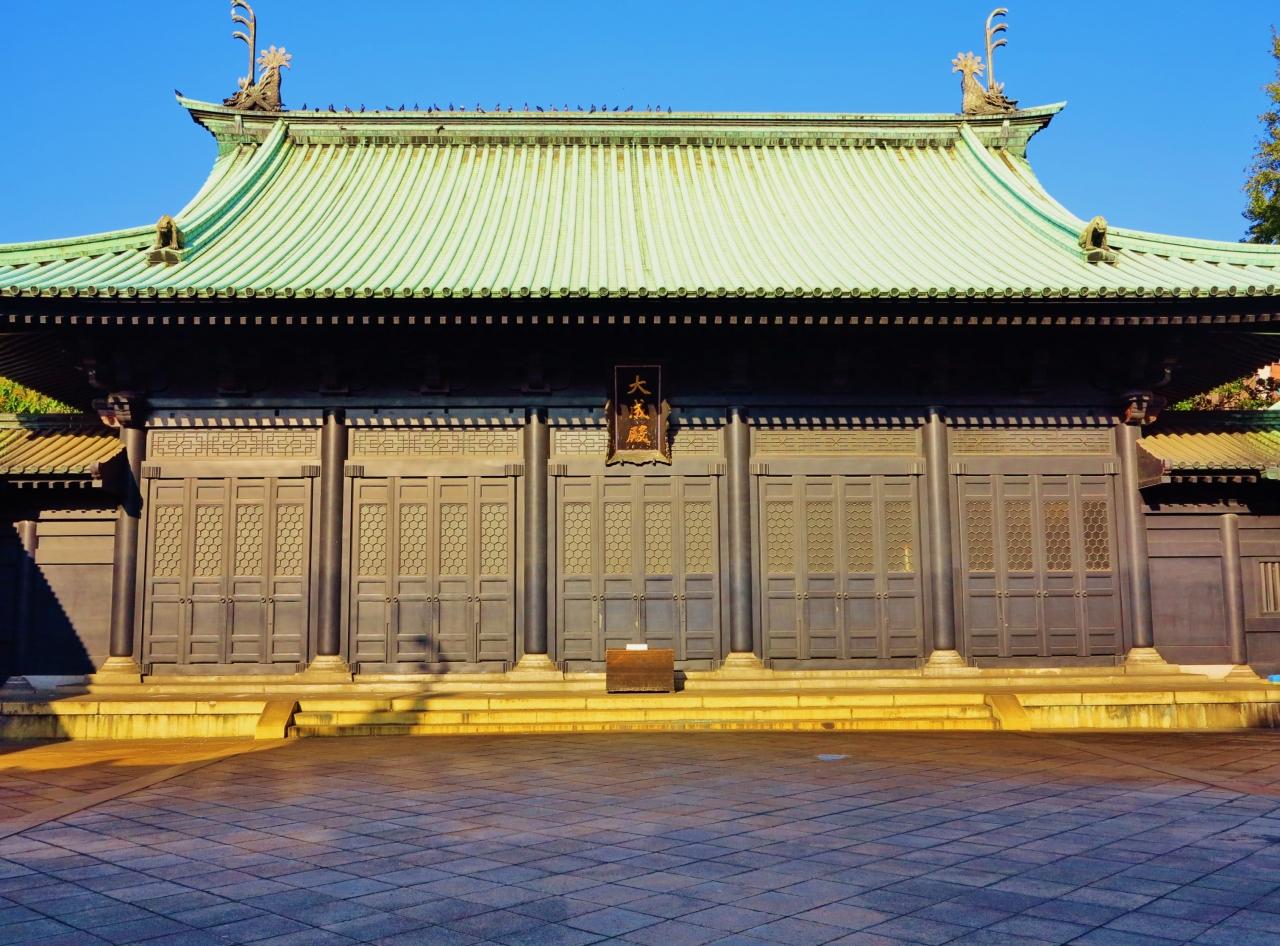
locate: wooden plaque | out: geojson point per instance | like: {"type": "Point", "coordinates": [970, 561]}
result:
{"type": "Point", "coordinates": [639, 671]}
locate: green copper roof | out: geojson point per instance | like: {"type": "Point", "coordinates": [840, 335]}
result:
{"type": "Point", "coordinates": [628, 205]}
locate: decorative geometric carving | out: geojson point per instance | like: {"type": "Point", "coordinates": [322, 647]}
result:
{"type": "Point", "coordinates": [836, 442]}
{"type": "Point", "coordinates": [577, 538]}
{"type": "Point", "coordinates": [415, 539]}
{"type": "Point", "coordinates": [1057, 535]}
{"type": "Point", "coordinates": [455, 533]}
{"type": "Point", "coordinates": [167, 558]}
{"type": "Point", "coordinates": [899, 536]}
{"type": "Point", "coordinates": [208, 554]}
{"type": "Point", "coordinates": [980, 535]}
{"type": "Point", "coordinates": [495, 549]}
{"type": "Point", "coordinates": [234, 444]}
{"type": "Point", "coordinates": [657, 539]}
{"type": "Point", "coordinates": [617, 538]}
{"type": "Point", "coordinates": [435, 442]}
{"type": "Point", "coordinates": [821, 544]}
{"type": "Point", "coordinates": [373, 539]}
{"type": "Point", "coordinates": [249, 539]}
{"type": "Point", "coordinates": [982, 442]}
{"type": "Point", "coordinates": [780, 536]}
{"type": "Point", "coordinates": [699, 538]}
{"type": "Point", "coordinates": [580, 441]}
{"type": "Point", "coordinates": [290, 533]}
{"type": "Point", "coordinates": [859, 529]}
{"type": "Point", "coordinates": [1097, 535]}
{"type": "Point", "coordinates": [697, 442]}
{"type": "Point", "coordinates": [1018, 538]}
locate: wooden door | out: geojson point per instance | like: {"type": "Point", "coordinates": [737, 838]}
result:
{"type": "Point", "coordinates": [840, 556]}
{"type": "Point", "coordinates": [1039, 576]}
{"type": "Point", "coordinates": [433, 573]}
{"type": "Point", "coordinates": [638, 562]}
{"type": "Point", "coordinates": [227, 566]}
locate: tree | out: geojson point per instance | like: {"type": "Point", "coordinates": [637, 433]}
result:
{"type": "Point", "coordinates": [1263, 186]}
{"type": "Point", "coordinates": [15, 399]}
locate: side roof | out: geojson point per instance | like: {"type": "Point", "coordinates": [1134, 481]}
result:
{"type": "Point", "coordinates": [618, 205]}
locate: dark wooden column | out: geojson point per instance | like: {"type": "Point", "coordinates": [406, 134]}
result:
{"type": "Point", "coordinates": [25, 579]}
{"type": "Point", "coordinates": [741, 599]}
{"type": "Point", "coordinates": [1233, 589]}
{"type": "Point", "coordinates": [537, 544]}
{"type": "Point", "coordinates": [129, 413]}
{"type": "Point", "coordinates": [940, 573]}
{"type": "Point", "coordinates": [333, 458]}
{"type": "Point", "coordinates": [1137, 565]}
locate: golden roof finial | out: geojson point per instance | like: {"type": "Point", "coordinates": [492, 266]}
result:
{"type": "Point", "coordinates": [976, 99]}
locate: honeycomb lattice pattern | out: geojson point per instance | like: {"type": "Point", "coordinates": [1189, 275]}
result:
{"type": "Point", "coordinates": [249, 539]}
{"type": "Point", "coordinates": [290, 533]}
{"type": "Point", "coordinates": [657, 539]}
{"type": "Point", "coordinates": [415, 542]}
{"type": "Point", "coordinates": [1097, 535]}
{"type": "Point", "coordinates": [1057, 535]}
{"type": "Point", "coordinates": [617, 538]}
{"type": "Point", "coordinates": [821, 544]}
{"type": "Point", "coordinates": [577, 538]}
{"type": "Point", "coordinates": [208, 558]}
{"type": "Point", "coordinates": [699, 539]}
{"type": "Point", "coordinates": [1017, 524]}
{"type": "Point", "coordinates": [373, 539]}
{"type": "Point", "coordinates": [979, 535]}
{"type": "Point", "coordinates": [455, 534]}
{"type": "Point", "coordinates": [780, 536]}
{"type": "Point", "coordinates": [860, 535]}
{"type": "Point", "coordinates": [900, 536]}
{"type": "Point", "coordinates": [495, 540]}
{"type": "Point", "coordinates": [167, 561]}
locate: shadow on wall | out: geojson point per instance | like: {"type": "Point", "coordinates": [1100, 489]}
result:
{"type": "Point", "coordinates": [48, 630]}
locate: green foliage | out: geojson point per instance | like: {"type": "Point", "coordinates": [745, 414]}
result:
{"type": "Point", "coordinates": [1263, 186]}
{"type": "Point", "coordinates": [15, 399]}
{"type": "Point", "coordinates": [1246, 394]}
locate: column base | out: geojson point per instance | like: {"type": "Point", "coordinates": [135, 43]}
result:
{"type": "Point", "coordinates": [948, 663]}
{"type": "Point", "coordinates": [537, 667]}
{"type": "Point", "coordinates": [1147, 660]}
{"type": "Point", "coordinates": [1242, 673]}
{"type": "Point", "coordinates": [117, 670]}
{"type": "Point", "coordinates": [745, 664]}
{"type": "Point", "coordinates": [329, 668]}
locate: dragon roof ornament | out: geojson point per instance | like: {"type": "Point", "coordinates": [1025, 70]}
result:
{"type": "Point", "coordinates": [990, 100]}
{"type": "Point", "coordinates": [257, 93]}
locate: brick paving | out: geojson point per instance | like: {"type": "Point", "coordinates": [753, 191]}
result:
{"type": "Point", "coordinates": [673, 840]}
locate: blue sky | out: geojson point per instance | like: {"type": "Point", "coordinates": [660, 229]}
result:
{"type": "Point", "coordinates": [1164, 94]}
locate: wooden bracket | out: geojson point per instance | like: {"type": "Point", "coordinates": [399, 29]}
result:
{"type": "Point", "coordinates": [759, 469]}
{"type": "Point", "coordinates": [152, 471]}
{"type": "Point", "coordinates": [354, 469]}
{"type": "Point", "coordinates": [558, 469]}
{"type": "Point", "coordinates": [513, 469]}
{"type": "Point", "coordinates": [310, 471]}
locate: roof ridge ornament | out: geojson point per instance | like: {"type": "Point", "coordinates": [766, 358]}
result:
{"type": "Point", "coordinates": [976, 99]}
{"type": "Point", "coordinates": [257, 93]}
{"type": "Point", "coordinates": [1095, 241]}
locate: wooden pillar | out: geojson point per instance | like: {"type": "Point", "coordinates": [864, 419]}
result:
{"type": "Point", "coordinates": [537, 545]}
{"type": "Point", "coordinates": [333, 458]}
{"type": "Point", "coordinates": [122, 661]}
{"type": "Point", "coordinates": [1138, 568]}
{"type": "Point", "coordinates": [1233, 589]}
{"type": "Point", "coordinates": [24, 593]}
{"type": "Point", "coordinates": [940, 573]}
{"type": "Point", "coordinates": [741, 599]}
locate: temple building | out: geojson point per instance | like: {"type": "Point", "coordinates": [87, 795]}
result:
{"type": "Point", "coordinates": [413, 394]}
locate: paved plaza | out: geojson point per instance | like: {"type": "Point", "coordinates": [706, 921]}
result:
{"type": "Point", "coordinates": [657, 840]}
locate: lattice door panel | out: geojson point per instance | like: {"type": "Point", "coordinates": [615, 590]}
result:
{"type": "Point", "coordinates": [433, 572]}
{"type": "Point", "coordinates": [638, 561]}
{"type": "Point", "coordinates": [840, 556]}
{"type": "Point", "coordinates": [1039, 575]}
{"type": "Point", "coordinates": [227, 571]}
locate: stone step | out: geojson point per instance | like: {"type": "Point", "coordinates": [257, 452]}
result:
{"type": "Point", "coordinates": [706, 725]}
{"type": "Point", "coordinates": [132, 719]}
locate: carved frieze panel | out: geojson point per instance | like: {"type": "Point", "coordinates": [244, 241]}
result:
{"type": "Point", "coordinates": [435, 442]}
{"type": "Point", "coordinates": [767, 442]}
{"type": "Point", "coordinates": [232, 444]}
{"type": "Point", "coordinates": [1078, 442]}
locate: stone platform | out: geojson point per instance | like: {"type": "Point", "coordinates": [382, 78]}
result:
{"type": "Point", "coordinates": [1167, 698]}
